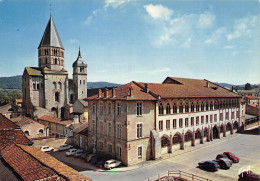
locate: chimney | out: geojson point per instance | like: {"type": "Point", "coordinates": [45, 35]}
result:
{"type": "Point", "coordinates": [146, 88]}
{"type": "Point", "coordinates": [207, 84]}
{"type": "Point", "coordinates": [106, 92]}
{"type": "Point", "coordinates": [113, 92]}
{"type": "Point", "coordinates": [99, 93]}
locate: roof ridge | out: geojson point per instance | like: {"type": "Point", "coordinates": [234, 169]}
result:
{"type": "Point", "coordinates": [149, 92]}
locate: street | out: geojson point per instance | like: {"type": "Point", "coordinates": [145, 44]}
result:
{"type": "Point", "coordinates": [246, 147]}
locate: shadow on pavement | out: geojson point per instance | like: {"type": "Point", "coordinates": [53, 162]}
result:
{"type": "Point", "coordinates": [255, 131]}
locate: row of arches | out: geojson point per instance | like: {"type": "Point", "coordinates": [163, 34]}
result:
{"type": "Point", "coordinates": [55, 61]}
{"type": "Point", "coordinates": [206, 133]}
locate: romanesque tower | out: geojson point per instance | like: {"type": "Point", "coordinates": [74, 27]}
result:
{"type": "Point", "coordinates": [80, 77]}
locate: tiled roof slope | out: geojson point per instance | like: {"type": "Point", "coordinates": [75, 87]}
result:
{"type": "Point", "coordinates": [33, 71]}
{"type": "Point", "coordinates": [26, 166]}
{"type": "Point", "coordinates": [130, 91]}
{"type": "Point", "coordinates": [170, 88]}
{"type": "Point", "coordinates": [81, 128]}
{"type": "Point", "coordinates": [11, 133]}
{"type": "Point", "coordinates": [55, 120]}
{"type": "Point", "coordinates": [56, 165]}
{"type": "Point", "coordinates": [6, 124]}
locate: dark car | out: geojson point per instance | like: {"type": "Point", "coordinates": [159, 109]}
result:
{"type": "Point", "coordinates": [232, 157]}
{"type": "Point", "coordinates": [101, 163]}
{"type": "Point", "coordinates": [94, 160]}
{"type": "Point", "coordinates": [224, 163]}
{"type": "Point", "coordinates": [209, 165]}
{"type": "Point", "coordinates": [223, 156]}
{"type": "Point", "coordinates": [84, 155]}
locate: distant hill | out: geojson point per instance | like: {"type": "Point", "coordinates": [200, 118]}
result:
{"type": "Point", "coordinates": [229, 85]}
{"type": "Point", "coordinates": [15, 82]}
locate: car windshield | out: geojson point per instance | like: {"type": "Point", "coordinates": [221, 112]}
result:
{"type": "Point", "coordinates": [232, 155]}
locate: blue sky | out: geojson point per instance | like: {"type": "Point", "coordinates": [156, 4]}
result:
{"type": "Point", "coordinates": [141, 40]}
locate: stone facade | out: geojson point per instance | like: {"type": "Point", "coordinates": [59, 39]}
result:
{"type": "Point", "coordinates": [138, 122]}
{"type": "Point", "coordinates": [48, 86]}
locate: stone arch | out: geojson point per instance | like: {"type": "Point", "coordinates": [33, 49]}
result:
{"type": "Point", "coordinates": [228, 127]}
{"type": "Point", "coordinates": [215, 132]}
{"type": "Point", "coordinates": [40, 131]}
{"type": "Point", "coordinates": [161, 110]}
{"type": "Point", "coordinates": [188, 136]}
{"type": "Point", "coordinates": [198, 134]}
{"type": "Point", "coordinates": [165, 140]}
{"type": "Point", "coordinates": [27, 133]}
{"type": "Point", "coordinates": [235, 125]}
{"type": "Point", "coordinates": [177, 139]}
{"type": "Point", "coordinates": [222, 130]}
{"type": "Point", "coordinates": [206, 133]}
{"type": "Point", "coordinates": [55, 110]}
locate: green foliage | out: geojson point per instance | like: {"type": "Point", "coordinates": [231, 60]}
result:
{"type": "Point", "coordinates": [14, 82]}
{"type": "Point", "coordinates": [10, 95]}
{"type": "Point", "coordinates": [248, 86]}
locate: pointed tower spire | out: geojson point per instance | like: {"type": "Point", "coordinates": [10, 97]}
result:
{"type": "Point", "coordinates": [51, 37]}
{"type": "Point", "coordinates": [79, 53]}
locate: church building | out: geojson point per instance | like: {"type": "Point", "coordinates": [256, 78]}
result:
{"type": "Point", "coordinates": [47, 90]}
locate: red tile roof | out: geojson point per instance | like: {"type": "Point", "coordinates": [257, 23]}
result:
{"type": "Point", "coordinates": [26, 166]}
{"type": "Point", "coordinates": [6, 123]}
{"type": "Point", "coordinates": [82, 127]}
{"type": "Point", "coordinates": [55, 120]}
{"type": "Point", "coordinates": [54, 164]}
{"type": "Point", "coordinates": [170, 88]}
{"type": "Point", "coordinates": [11, 133]}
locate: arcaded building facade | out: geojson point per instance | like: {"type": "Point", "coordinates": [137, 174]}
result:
{"type": "Point", "coordinates": [47, 87]}
{"type": "Point", "coordinates": [140, 121]}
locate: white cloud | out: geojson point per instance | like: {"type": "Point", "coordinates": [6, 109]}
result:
{"type": "Point", "coordinates": [242, 27]}
{"type": "Point", "coordinates": [206, 19]}
{"type": "Point", "coordinates": [177, 29]}
{"type": "Point", "coordinates": [159, 12]}
{"type": "Point", "coordinates": [116, 3]}
{"type": "Point", "coordinates": [186, 44]}
{"type": "Point", "coordinates": [229, 47]}
{"type": "Point", "coordinates": [166, 69]}
{"type": "Point", "coordinates": [73, 40]}
{"type": "Point", "coordinates": [216, 36]}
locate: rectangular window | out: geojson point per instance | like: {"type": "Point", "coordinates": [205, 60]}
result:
{"type": "Point", "coordinates": [38, 86]}
{"type": "Point", "coordinates": [186, 122]}
{"type": "Point", "coordinates": [180, 123]}
{"type": "Point", "coordinates": [119, 131]}
{"type": "Point", "coordinates": [34, 86]}
{"type": "Point", "coordinates": [197, 120]}
{"type": "Point", "coordinates": [207, 119]}
{"type": "Point", "coordinates": [160, 125]}
{"type": "Point", "coordinates": [119, 151]}
{"type": "Point", "coordinates": [118, 109]}
{"type": "Point", "coordinates": [215, 117]}
{"type": "Point", "coordinates": [139, 129]}
{"type": "Point", "coordinates": [168, 124]}
{"type": "Point", "coordinates": [237, 114]}
{"type": "Point", "coordinates": [202, 119]}
{"type": "Point", "coordinates": [211, 118]}
{"type": "Point", "coordinates": [109, 129]}
{"type": "Point", "coordinates": [101, 145]}
{"type": "Point", "coordinates": [140, 152]}
{"type": "Point", "coordinates": [94, 125]}
{"type": "Point", "coordinates": [109, 146]}
{"type": "Point", "coordinates": [221, 116]}
{"type": "Point", "coordinates": [109, 108]}
{"type": "Point", "coordinates": [94, 108]}
{"type": "Point", "coordinates": [192, 121]}
{"type": "Point", "coordinates": [227, 115]}
{"type": "Point", "coordinates": [139, 109]}
{"type": "Point", "coordinates": [232, 115]}
{"type": "Point", "coordinates": [101, 127]}
{"type": "Point", "coordinates": [174, 124]}
{"type": "Point", "coordinates": [101, 108]}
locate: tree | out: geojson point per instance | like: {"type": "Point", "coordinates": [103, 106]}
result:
{"type": "Point", "coordinates": [248, 86]}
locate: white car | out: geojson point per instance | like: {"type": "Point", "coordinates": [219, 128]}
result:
{"type": "Point", "coordinates": [64, 147]}
{"type": "Point", "coordinates": [46, 149]}
{"type": "Point", "coordinates": [111, 163]}
{"type": "Point", "coordinates": [71, 152]}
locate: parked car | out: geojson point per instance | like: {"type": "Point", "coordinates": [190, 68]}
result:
{"type": "Point", "coordinates": [224, 163]}
{"type": "Point", "coordinates": [71, 152]}
{"type": "Point", "coordinates": [209, 165]}
{"type": "Point", "coordinates": [65, 147]}
{"type": "Point", "coordinates": [101, 162]}
{"type": "Point", "coordinates": [94, 160]}
{"type": "Point", "coordinates": [223, 156]}
{"type": "Point", "coordinates": [89, 157]}
{"type": "Point", "coordinates": [47, 149]}
{"type": "Point", "coordinates": [248, 176]}
{"type": "Point", "coordinates": [84, 155]}
{"type": "Point", "coordinates": [109, 164]}
{"type": "Point", "coordinates": [232, 157]}
{"type": "Point", "coordinates": [79, 153]}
